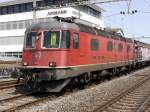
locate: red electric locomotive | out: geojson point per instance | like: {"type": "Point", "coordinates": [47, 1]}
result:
{"type": "Point", "coordinates": [58, 52]}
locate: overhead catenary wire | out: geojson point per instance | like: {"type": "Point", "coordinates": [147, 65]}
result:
{"type": "Point", "coordinates": [144, 11]}
{"type": "Point", "coordinates": [147, 3]}
{"type": "Point", "coordinates": [112, 15]}
{"type": "Point", "coordinates": [78, 3]}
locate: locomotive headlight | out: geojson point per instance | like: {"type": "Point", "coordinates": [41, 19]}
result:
{"type": "Point", "coordinates": [25, 63]}
{"type": "Point", "coordinates": [52, 64]}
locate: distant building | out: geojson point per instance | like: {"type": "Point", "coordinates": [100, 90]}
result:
{"type": "Point", "coordinates": [16, 15]}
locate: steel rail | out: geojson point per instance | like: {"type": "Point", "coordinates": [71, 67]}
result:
{"type": "Point", "coordinates": [118, 97]}
{"type": "Point", "coordinates": [2, 101]}
{"type": "Point", "coordinates": [10, 86]}
{"type": "Point", "coordinates": [8, 62]}
{"type": "Point", "coordinates": [15, 97]}
{"type": "Point", "coordinates": [36, 101]}
{"type": "Point", "coordinates": [29, 103]}
{"type": "Point", "coordinates": [8, 82]}
{"type": "Point", "coordinates": [144, 105]}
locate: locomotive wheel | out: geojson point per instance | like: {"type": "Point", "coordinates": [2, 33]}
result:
{"type": "Point", "coordinates": [30, 82]}
{"type": "Point", "coordinates": [87, 77]}
{"type": "Point", "coordinates": [129, 68]}
{"type": "Point", "coordinates": [114, 71]}
{"type": "Point", "coordinates": [75, 81]}
{"type": "Point", "coordinates": [94, 76]}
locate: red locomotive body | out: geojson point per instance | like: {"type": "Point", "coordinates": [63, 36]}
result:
{"type": "Point", "coordinates": [61, 50]}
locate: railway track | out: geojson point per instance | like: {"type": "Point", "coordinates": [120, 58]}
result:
{"type": "Point", "coordinates": [135, 99]}
{"type": "Point", "coordinates": [22, 101]}
{"type": "Point", "coordinates": [9, 84]}
{"type": "Point", "coordinates": [145, 107]}
{"type": "Point", "coordinates": [28, 100]}
{"type": "Point", "coordinates": [19, 101]}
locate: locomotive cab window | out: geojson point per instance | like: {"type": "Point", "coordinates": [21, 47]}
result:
{"type": "Point", "coordinates": [94, 44]}
{"type": "Point", "coordinates": [75, 40]}
{"type": "Point", "coordinates": [51, 39]}
{"type": "Point", "coordinates": [109, 46]}
{"type": "Point", "coordinates": [31, 39]}
{"type": "Point", "coordinates": [65, 39]}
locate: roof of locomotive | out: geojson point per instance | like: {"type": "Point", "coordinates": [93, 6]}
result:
{"type": "Point", "coordinates": [51, 25]}
{"type": "Point", "coordinates": [142, 44]}
{"type": "Point", "coordinates": [54, 24]}
{"type": "Point", "coordinates": [95, 31]}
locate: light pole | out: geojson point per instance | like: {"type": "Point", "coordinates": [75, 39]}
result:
{"type": "Point", "coordinates": [34, 10]}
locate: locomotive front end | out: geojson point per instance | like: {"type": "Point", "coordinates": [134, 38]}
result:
{"type": "Point", "coordinates": [44, 56]}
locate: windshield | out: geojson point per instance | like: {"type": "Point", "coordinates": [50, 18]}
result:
{"type": "Point", "coordinates": [56, 39]}
{"type": "Point", "coordinates": [31, 39]}
{"type": "Point", "coordinates": [51, 39]}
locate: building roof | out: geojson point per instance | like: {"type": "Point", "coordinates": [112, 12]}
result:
{"type": "Point", "coordinates": [14, 2]}
{"type": "Point", "coordinates": [141, 44]}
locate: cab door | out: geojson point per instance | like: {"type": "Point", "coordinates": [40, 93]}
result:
{"type": "Point", "coordinates": [74, 49]}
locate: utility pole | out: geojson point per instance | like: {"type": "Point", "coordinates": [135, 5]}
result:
{"type": "Point", "coordinates": [34, 10]}
{"type": "Point", "coordinates": [128, 11]}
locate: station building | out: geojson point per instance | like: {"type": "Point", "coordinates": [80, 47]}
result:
{"type": "Point", "coordinates": [16, 15]}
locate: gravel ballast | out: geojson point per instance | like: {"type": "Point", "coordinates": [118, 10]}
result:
{"type": "Point", "coordinates": [89, 99]}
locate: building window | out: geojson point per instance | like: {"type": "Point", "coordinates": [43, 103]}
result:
{"type": "Point", "coordinates": [109, 46]}
{"type": "Point", "coordinates": [39, 3]}
{"type": "Point", "coordinates": [0, 11]}
{"type": "Point", "coordinates": [29, 6]}
{"type": "Point", "coordinates": [12, 54]}
{"type": "Point", "coordinates": [22, 7]}
{"type": "Point", "coordinates": [16, 9]}
{"type": "Point", "coordinates": [4, 10]}
{"type": "Point", "coordinates": [20, 25]}
{"type": "Point", "coordinates": [27, 23]}
{"type": "Point", "coordinates": [75, 40]}
{"type": "Point", "coordinates": [94, 44]}
{"type": "Point", "coordinates": [10, 9]}
{"type": "Point", "coordinates": [14, 25]}
{"type": "Point", "coordinates": [2, 27]}
{"type": "Point", "coordinates": [90, 11]}
{"type": "Point", "coordinates": [8, 26]}
{"type": "Point", "coordinates": [120, 47]}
